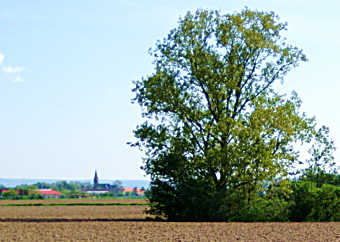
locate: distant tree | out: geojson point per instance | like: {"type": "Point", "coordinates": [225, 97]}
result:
{"type": "Point", "coordinates": [216, 133]}
{"type": "Point", "coordinates": [117, 183]}
{"type": "Point", "coordinates": [135, 191]}
{"type": "Point", "coordinates": [43, 185]}
{"type": "Point", "coordinates": [116, 187]}
{"type": "Point", "coordinates": [320, 177]}
{"type": "Point", "coordinates": [25, 189]}
{"type": "Point", "coordinates": [66, 186]}
{"type": "Point", "coordinates": [35, 195]}
{"type": "Point", "coordinates": [10, 194]}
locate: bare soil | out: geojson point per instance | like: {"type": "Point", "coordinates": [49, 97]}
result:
{"type": "Point", "coordinates": [127, 223]}
{"type": "Point", "coordinates": [71, 213]}
{"type": "Point", "coordinates": [49, 201]}
{"type": "Point", "coordinates": [164, 231]}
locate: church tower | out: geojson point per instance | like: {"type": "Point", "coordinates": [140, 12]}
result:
{"type": "Point", "coordinates": [95, 180]}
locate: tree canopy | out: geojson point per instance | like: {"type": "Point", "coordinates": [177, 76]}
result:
{"type": "Point", "coordinates": [217, 134]}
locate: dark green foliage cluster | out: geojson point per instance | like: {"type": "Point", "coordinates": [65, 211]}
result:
{"type": "Point", "coordinates": [315, 201]}
{"type": "Point", "coordinates": [178, 203]}
{"type": "Point", "coordinates": [58, 186]}
{"type": "Point", "coordinates": [195, 202]}
{"type": "Point", "coordinates": [263, 210]}
{"type": "Point", "coordinates": [326, 204]}
{"type": "Point", "coordinates": [200, 204]}
{"type": "Point", "coordinates": [219, 142]}
{"type": "Point", "coordinates": [20, 194]}
{"type": "Point", "coordinates": [11, 194]}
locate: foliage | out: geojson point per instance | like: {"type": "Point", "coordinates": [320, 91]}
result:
{"type": "Point", "coordinates": [320, 177]}
{"type": "Point", "coordinates": [303, 197]}
{"type": "Point", "coordinates": [20, 194]}
{"type": "Point", "coordinates": [310, 203]}
{"type": "Point", "coordinates": [43, 185]}
{"type": "Point", "coordinates": [66, 186]}
{"type": "Point", "coordinates": [10, 194]}
{"type": "Point", "coordinates": [178, 203]}
{"type": "Point", "coordinates": [216, 134]}
{"type": "Point", "coordinates": [34, 196]}
{"type": "Point", "coordinates": [263, 210]}
{"type": "Point", "coordinates": [26, 188]}
{"type": "Point", "coordinates": [68, 189]}
{"type": "Point", "coordinates": [327, 204]}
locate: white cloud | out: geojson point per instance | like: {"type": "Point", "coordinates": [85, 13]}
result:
{"type": "Point", "coordinates": [18, 79]}
{"type": "Point", "coordinates": [2, 57]}
{"type": "Point", "coordinates": [12, 69]}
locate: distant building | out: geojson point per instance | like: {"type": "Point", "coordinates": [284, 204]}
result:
{"type": "Point", "coordinates": [49, 193]}
{"type": "Point", "coordinates": [95, 180]}
{"type": "Point", "coordinates": [132, 191]}
{"type": "Point", "coordinates": [96, 192]}
{"type": "Point", "coordinates": [100, 188]}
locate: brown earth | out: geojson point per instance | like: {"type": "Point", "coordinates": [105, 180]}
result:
{"type": "Point", "coordinates": [69, 213]}
{"type": "Point", "coordinates": [122, 200]}
{"type": "Point", "coordinates": [126, 223]}
{"type": "Point", "coordinates": [167, 231]}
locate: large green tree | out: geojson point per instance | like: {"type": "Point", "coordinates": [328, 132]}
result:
{"type": "Point", "coordinates": [216, 134]}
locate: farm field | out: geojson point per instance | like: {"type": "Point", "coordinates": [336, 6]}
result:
{"type": "Point", "coordinates": [49, 201]}
{"type": "Point", "coordinates": [167, 231]}
{"type": "Point", "coordinates": [71, 213]}
{"type": "Point", "coordinates": [127, 223]}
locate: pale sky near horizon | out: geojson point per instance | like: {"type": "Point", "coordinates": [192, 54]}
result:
{"type": "Point", "coordinates": [67, 66]}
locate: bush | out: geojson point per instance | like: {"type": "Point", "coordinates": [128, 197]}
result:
{"type": "Point", "coordinates": [191, 201]}
{"type": "Point", "coordinates": [302, 200]}
{"type": "Point", "coordinates": [263, 210]}
{"type": "Point", "coordinates": [195, 201]}
{"type": "Point", "coordinates": [326, 206]}
{"type": "Point", "coordinates": [309, 203]}
{"type": "Point", "coordinates": [36, 196]}
{"type": "Point", "coordinates": [10, 195]}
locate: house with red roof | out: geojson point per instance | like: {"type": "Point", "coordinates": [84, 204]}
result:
{"type": "Point", "coordinates": [132, 191]}
{"type": "Point", "coordinates": [49, 193]}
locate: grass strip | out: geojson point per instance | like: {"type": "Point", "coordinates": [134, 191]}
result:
{"type": "Point", "coordinates": [71, 204]}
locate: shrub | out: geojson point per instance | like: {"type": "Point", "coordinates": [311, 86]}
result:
{"type": "Point", "coordinates": [11, 195]}
{"type": "Point", "coordinates": [302, 200]}
{"type": "Point", "coordinates": [263, 210]}
{"type": "Point", "coordinates": [326, 206]}
{"type": "Point", "coordinates": [309, 203]}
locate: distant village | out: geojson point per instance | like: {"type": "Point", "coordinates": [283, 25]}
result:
{"type": "Point", "coordinates": [102, 188]}
{"type": "Point", "coordinates": [65, 189]}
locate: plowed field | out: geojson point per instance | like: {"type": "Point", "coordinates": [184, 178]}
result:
{"type": "Point", "coordinates": [71, 213]}
{"type": "Point", "coordinates": [126, 223]}
{"type": "Point", "coordinates": [49, 201]}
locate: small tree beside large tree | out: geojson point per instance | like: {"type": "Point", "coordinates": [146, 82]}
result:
{"type": "Point", "coordinates": [217, 136]}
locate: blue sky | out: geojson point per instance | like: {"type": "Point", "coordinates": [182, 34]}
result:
{"type": "Point", "coordinates": [66, 72]}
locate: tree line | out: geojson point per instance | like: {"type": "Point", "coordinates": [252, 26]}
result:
{"type": "Point", "coordinates": [68, 189]}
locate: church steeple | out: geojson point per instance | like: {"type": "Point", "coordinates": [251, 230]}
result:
{"type": "Point", "coordinates": [95, 180]}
